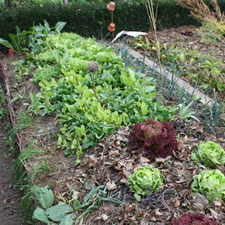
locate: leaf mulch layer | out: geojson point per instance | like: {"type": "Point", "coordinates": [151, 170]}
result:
{"type": "Point", "coordinates": [110, 163]}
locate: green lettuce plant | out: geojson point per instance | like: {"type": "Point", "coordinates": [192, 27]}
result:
{"type": "Point", "coordinates": [145, 179]}
{"type": "Point", "coordinates": [210, 184]}
{"type": "Point", "coordinates": [209, 153]}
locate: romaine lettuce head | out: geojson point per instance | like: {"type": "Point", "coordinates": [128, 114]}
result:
{"type": "Point", "coordinates": [210, 184]}
{"type": "Point", "coordinates": [209, 153]}
{"type": "Point", "coordinates": [145, 179]}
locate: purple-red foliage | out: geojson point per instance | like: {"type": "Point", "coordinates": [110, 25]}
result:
{"type": "Point", "coordinates": [154, 138]}
{"type": "Point", "coordinates": [194, 219]}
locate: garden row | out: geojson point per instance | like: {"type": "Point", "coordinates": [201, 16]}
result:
{"type": "Point", "coordinates": [84, 92]}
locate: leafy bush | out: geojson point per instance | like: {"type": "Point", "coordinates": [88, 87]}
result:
{"type": "Point", "coordinates": [156, 139]}
{"type": "Point", "coordinates": [209, 153]}
{"type": "Point", "coordinates": [144, 180]}
{"type": "Point", "coordinates": [194, 219]}
{"type": "Point", "coordinates": [210, 184]}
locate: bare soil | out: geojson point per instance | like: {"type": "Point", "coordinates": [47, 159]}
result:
{"type": "Point", "coordinates": [9, 196]}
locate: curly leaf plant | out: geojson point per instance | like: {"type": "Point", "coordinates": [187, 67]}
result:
{"type": "Point", "coordinates": [210, 184]}
{"type": "Point", "coordinates": [194, 219]}
{"type": "Point", "coordinates": [144, 180]}
{"type": "Point", "coordinates": [209, 153]}
{"type": "Point", "coordinates": [154, 138]}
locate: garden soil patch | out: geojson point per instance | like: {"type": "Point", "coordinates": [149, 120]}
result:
{"type": "Point", "coordinates": [9, 197]}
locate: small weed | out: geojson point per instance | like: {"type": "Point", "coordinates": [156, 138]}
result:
{"type": "Point", "coordinates": [186, 111]}
{"type": "Point", "coordinates": [24, 121]}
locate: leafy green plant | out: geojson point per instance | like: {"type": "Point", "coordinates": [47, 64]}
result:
{"type": "Point", "coordinates": [22, 41]}
{"type": "Point", "coordinates": [48, 213]}
{"type": "Point", "coordinates": [211, 113]}
{"type": "Point", "coordinates": [83, 120]}
{"type": "Point", "coordinates": [210, 184]}
{"type": "Point", "coordinates": [64, 213]}
{"type": "Point", "coordinates": [94, 199]}
{"type": "Point", "coordinates": [145, 180]}
{"type": "Point", "coordinates": [186, 111]}
{"type": "Point", "coordinates": [209, 153]}
{"type": "Point", "coordinates": [19, 41]}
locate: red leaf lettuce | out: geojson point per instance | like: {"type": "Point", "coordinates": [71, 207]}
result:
{"type": "Point", "coordinates": [154, 138]}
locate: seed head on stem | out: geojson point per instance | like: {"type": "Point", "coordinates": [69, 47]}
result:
{"type": "Point", "coordinates": [93, 67]}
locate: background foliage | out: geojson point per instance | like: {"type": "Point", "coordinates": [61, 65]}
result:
{"type": "Point", "coordinates": [92, 18]}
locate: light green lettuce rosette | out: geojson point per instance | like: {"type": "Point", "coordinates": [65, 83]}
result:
{"type": "Point", "coordinates": [145, 179]}
{"type": "Point", "coordinates": [209, 153]}
{"type": "Point", "coordinates": [211, 184]}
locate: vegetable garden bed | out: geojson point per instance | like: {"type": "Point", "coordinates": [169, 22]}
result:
{"type": "Point", "coordinates": [75, 119]}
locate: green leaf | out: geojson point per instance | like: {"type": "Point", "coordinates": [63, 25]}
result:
{"type": "Point", "coordinates": [92, 193]}
{"type": "Point", "coordinates": [57, 212]}
{"type": "Point", "coordinates": [15, 42]}
{"type": "Point", "coordinates": [68, 220]}
{"type": "Point", "coordinates": [76, 204]}
{"type": "Point", "coordinates": [59, 26]}
{"type": "Point", "coordinates": [44, 196]}
{"type": "Point", "coordinates": [39, 214]}
{"type": "Point", "coordinates": [5, 43]}
{"type": "Point", "coordinates": [144, 108]}
{"type": "Point", "coordinates": [137, 196]}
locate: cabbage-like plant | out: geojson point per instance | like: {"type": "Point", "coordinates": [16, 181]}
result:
{"type": "Point", "coordinates": [154, 138]}
{"type": "Point", "coordinates": [144, 180]}
{"type": "Point", "coordinates": [194, 219]}
{"type": "Point", "coordinates": [210, 183]}
{"type": "Point", "coordinates": [209, 153]}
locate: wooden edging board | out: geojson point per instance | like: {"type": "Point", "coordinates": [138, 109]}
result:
{"type": "Point", "coordinates": [180, 83]}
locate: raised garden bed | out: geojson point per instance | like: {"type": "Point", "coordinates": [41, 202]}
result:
{"type": "Point", "coordinates": [60, 114]}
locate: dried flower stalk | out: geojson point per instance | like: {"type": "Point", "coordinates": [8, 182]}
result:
{"type": "Point", "coordinates": [201, 11]}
